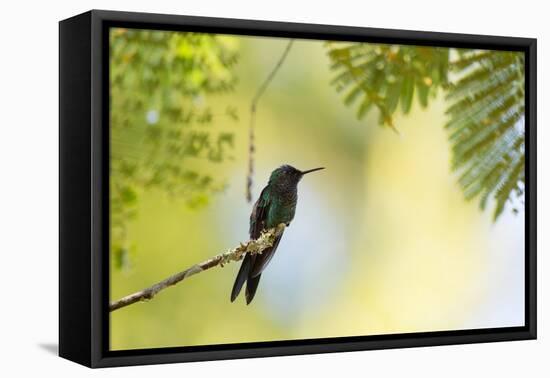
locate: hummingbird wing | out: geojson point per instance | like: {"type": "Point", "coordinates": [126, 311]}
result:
{"type": "Point", "coordinates": [257, 223]}
{"type": "Point", "coordinates": [258, 217]}
{"type": "Point", "coordinates": [253, 265]}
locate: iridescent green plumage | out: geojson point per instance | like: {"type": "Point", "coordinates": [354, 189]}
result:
{"type": "Point", "coordinates": [276, 205]}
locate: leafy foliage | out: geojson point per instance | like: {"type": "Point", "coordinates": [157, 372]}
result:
{"type": "Point", "coordinates": [485, 90]}
{"type": "Point", "coordinates": [486, 125]}
{"type": "Point", "coordinates": [386, 75]}
{"type": "Point", "coordinates": [162, 129]}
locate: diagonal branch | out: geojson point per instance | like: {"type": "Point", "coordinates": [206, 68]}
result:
{"type": "Point", "coordinates": [257, 246]}
{"type": "Point", "coordinates": [253, 106]}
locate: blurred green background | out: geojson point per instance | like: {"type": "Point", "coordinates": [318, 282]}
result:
{"type": "Point", "coordinates": [383, 240]}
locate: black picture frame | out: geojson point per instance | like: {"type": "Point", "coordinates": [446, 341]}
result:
{"type": "Point", "coordinates": [84, 196]}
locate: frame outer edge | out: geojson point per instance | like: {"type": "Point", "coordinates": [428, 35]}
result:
{"type": "Point", "coordinates": [75, 334]}
{"type": "Point", "coordinates": [98, 175]}
{"type": "Point", "coordinates": [101, 357]}
{"type": "Point", "coordinates": [531, 233]}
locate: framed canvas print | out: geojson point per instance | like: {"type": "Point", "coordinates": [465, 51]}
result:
{"type": "Point", "coordinates": [234, 188]}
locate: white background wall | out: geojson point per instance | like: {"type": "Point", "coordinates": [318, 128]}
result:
{"type": "Point", "coordinates": [29, 188]}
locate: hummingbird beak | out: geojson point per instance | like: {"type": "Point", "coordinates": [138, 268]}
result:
{"type": "Point", "coordinates": [312, 170]}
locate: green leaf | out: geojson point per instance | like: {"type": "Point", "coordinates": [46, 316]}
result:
{"type": "Point", "coordinates": [486, 125]}
{"type": "Point", "coordinates": [384, 75]}
{"type": "Point", "coordinates": [423, 92]}
{"type": "Point", "coordinates": [364, 108]}
{"type": "Point", "coordinates": [353, 95]}
{"type": "Point", "coordinates": [486, 111]}
{"type": "Point", "coordinates": [407, 93]}
{"type": "Point", "coordinates": [174, 76]}
{"type": "Point", "coordinates": [128, 195]}
{"type": "Point", "coordinates": [392, 96]}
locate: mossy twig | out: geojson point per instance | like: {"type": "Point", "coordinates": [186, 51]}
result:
{"type": "Point", "coordinates": [256, 246]}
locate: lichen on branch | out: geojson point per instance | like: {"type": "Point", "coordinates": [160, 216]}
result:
{"type": "Point", "coordinates": [255, 246]}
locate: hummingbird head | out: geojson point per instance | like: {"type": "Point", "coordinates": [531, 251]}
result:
{"type": "Point", "coordinates": [287, 175]}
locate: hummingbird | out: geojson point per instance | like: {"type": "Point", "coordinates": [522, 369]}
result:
{"type": "Point", "coordinates": [276, 205]}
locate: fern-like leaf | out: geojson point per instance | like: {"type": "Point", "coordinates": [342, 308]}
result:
{"type": "Point", "coordinates": [486, 125]}
{"type": "Point", "coordinates": [385, 76]}
{"type": "Point", "coordinates": [485, 90]}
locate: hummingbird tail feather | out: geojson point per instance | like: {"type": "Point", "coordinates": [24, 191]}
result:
{"type": "Point", "coordinates": [251, 287]}
{"type": "Point", "coordinates": [241, 277]}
